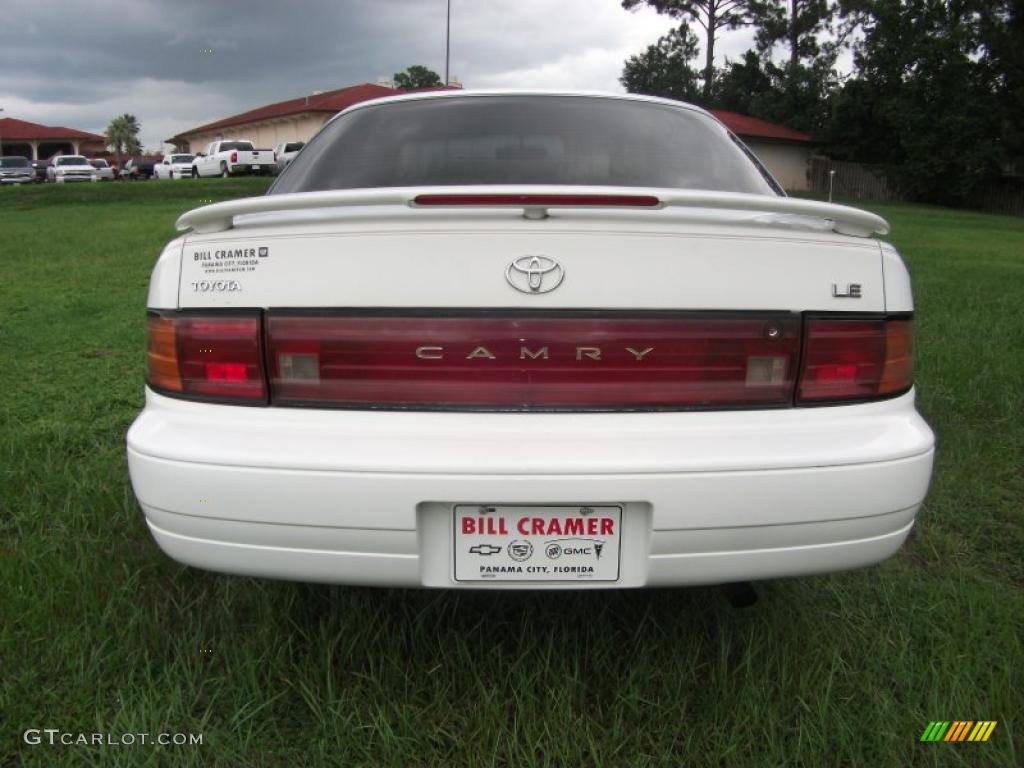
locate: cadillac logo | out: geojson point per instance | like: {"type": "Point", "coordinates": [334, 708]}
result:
{"type": "Point", "coordinates": [534, 274]}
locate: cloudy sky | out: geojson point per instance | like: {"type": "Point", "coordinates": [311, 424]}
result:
{"type": "Point", "coordinates": [78, 63]}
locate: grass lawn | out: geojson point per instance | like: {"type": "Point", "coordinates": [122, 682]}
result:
{"type": "Point", "coordinates": [100, 632]}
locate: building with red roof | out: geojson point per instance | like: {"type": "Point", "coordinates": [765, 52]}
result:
{"type": "Point", "coordinates": [292, 120]}
{"type": "Point", "coordinates": [753, 128]}
{"type": "Point", "coordinates": [785, 152]}
{"type": "Point", "coordinates": [39, 142]}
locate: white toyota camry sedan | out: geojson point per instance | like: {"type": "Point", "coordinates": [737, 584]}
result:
{"type": "Point", "coordinates": [529, 340]}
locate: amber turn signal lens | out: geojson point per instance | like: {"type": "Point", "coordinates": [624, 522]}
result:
{"type": "Point", "coordinates": [162, 370]}
{"type": "Point", "coordinates": [898, 373]}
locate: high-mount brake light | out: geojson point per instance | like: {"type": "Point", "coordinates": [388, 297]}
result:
{"type": "Point", "coordinates": [540, 200]}
{"type": "Point", "coordinates": [215, 356]}
{"type": "Point", "coordinates": [855, 359]}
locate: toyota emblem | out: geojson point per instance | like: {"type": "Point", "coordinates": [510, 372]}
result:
{"type": "Point", "coordinates": [534, 274]}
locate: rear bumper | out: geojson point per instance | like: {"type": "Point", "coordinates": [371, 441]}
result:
{"type": "Point", "coordinates": [364, 497]}
{"type": "Point", "coordinates": [243, 169]}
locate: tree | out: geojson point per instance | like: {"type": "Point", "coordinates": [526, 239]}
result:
{"type": "Point", "coordinates": [123, 135]}
{"type": "Point", "coordinates": [417, 76]}
{"type": "Point", "coordinates": [922, 106]}
{"type": "Point", "coordinates": [713, 15]}
{"type": "Point", "coordinates": [664, 68]}
{"type": "Point", "coordinates": [798, 23]}
{"type": "Point", "coordinates": [1001, 37]}
{"type": "Point", "coordinates": [805, 82]}
{"type": "Point", "coordinates": [744, 85]}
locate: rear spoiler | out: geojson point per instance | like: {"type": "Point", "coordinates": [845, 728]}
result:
{"type": "Point", "coordinates": [534, 202]}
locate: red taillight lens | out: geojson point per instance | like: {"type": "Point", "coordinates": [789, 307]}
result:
{"type": "Point", "coordinates": [488, 361]}
{"type": "Point", "coordinates": [852, 359]}
{"type": "Point", "coordinates": [541, 200]}
{"type": "Point", "coordinates": [517, 362]}
{"type": "Point", "coordinates": [234, 157]}
{"type": "Point", "coordinates": [213, 356]}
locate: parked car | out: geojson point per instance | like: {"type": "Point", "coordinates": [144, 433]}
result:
{"type": "Point", "coordinates": [16, 170]}
{"type": "Point", "coordinates": [103, 169]}
{"type": "Point", "coordinates": [232, 158]}
{"type": "Point", "coordinates": [285, 152]}
{"type": "Point", "coordinates": [528, 340]}
{"type": "Point", "coordinates": [71, 168]}
{"type": "Point", "coordinates": [176, 166]}
{"type": "Point", "coordinates": [39, 167]}
{"type": "Point", "coordinates": [138, 169]}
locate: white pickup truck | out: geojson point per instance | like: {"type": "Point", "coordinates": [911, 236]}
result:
{"type": "Point", "coordinates": [230, 158]}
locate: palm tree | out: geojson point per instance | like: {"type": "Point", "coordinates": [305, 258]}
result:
{"type": "Point", "coordinates": [123, 135]}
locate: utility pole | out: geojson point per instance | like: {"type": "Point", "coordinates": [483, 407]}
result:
{"type": "Point", "coordinates": [448, 42]}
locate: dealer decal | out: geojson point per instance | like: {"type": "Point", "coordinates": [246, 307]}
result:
{"type": "Point", "coordinates": [227, 260]}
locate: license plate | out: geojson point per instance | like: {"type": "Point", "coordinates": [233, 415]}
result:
{"type": "Point", "coordinates": [537, 543]}
{"type": "Point", "coordinates": [255, 167]}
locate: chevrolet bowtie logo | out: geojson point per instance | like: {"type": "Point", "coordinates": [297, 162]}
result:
{"type": "Point", "coordinates": [484, 549]}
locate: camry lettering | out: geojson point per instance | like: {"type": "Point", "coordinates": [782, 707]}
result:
{"type": "Point", "coordinates": [639, 355]}
{"type": "Point", "coordinates": [428, 352]}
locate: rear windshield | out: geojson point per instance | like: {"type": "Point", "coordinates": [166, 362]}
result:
{"type": "Point", "coordinates": [524, 140]}
{"type": "Point", "coordinates": [294, 147]}
{"type": "Point", "coordinates": [98, 163]}
{"type": "Point", "coordinates": [236, 145]}
{"type": "Point", "coordinates": [13, 162]}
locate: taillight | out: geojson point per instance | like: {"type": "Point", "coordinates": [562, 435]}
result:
{"type": "Point", "coordinates": [162, 370]}
{"type": "Point", "coordinates": [506, 360]}
{"type": "Point", "coordinates": [854, 359]}
{"type": "Point", "coordinates": [522, 362]}
{"type": "Point", "coordinates": [540, 200]}
{"type": "Point", "coordinates": [234, 157]}
{"type": "Point", "coordinates": [214, 356]}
